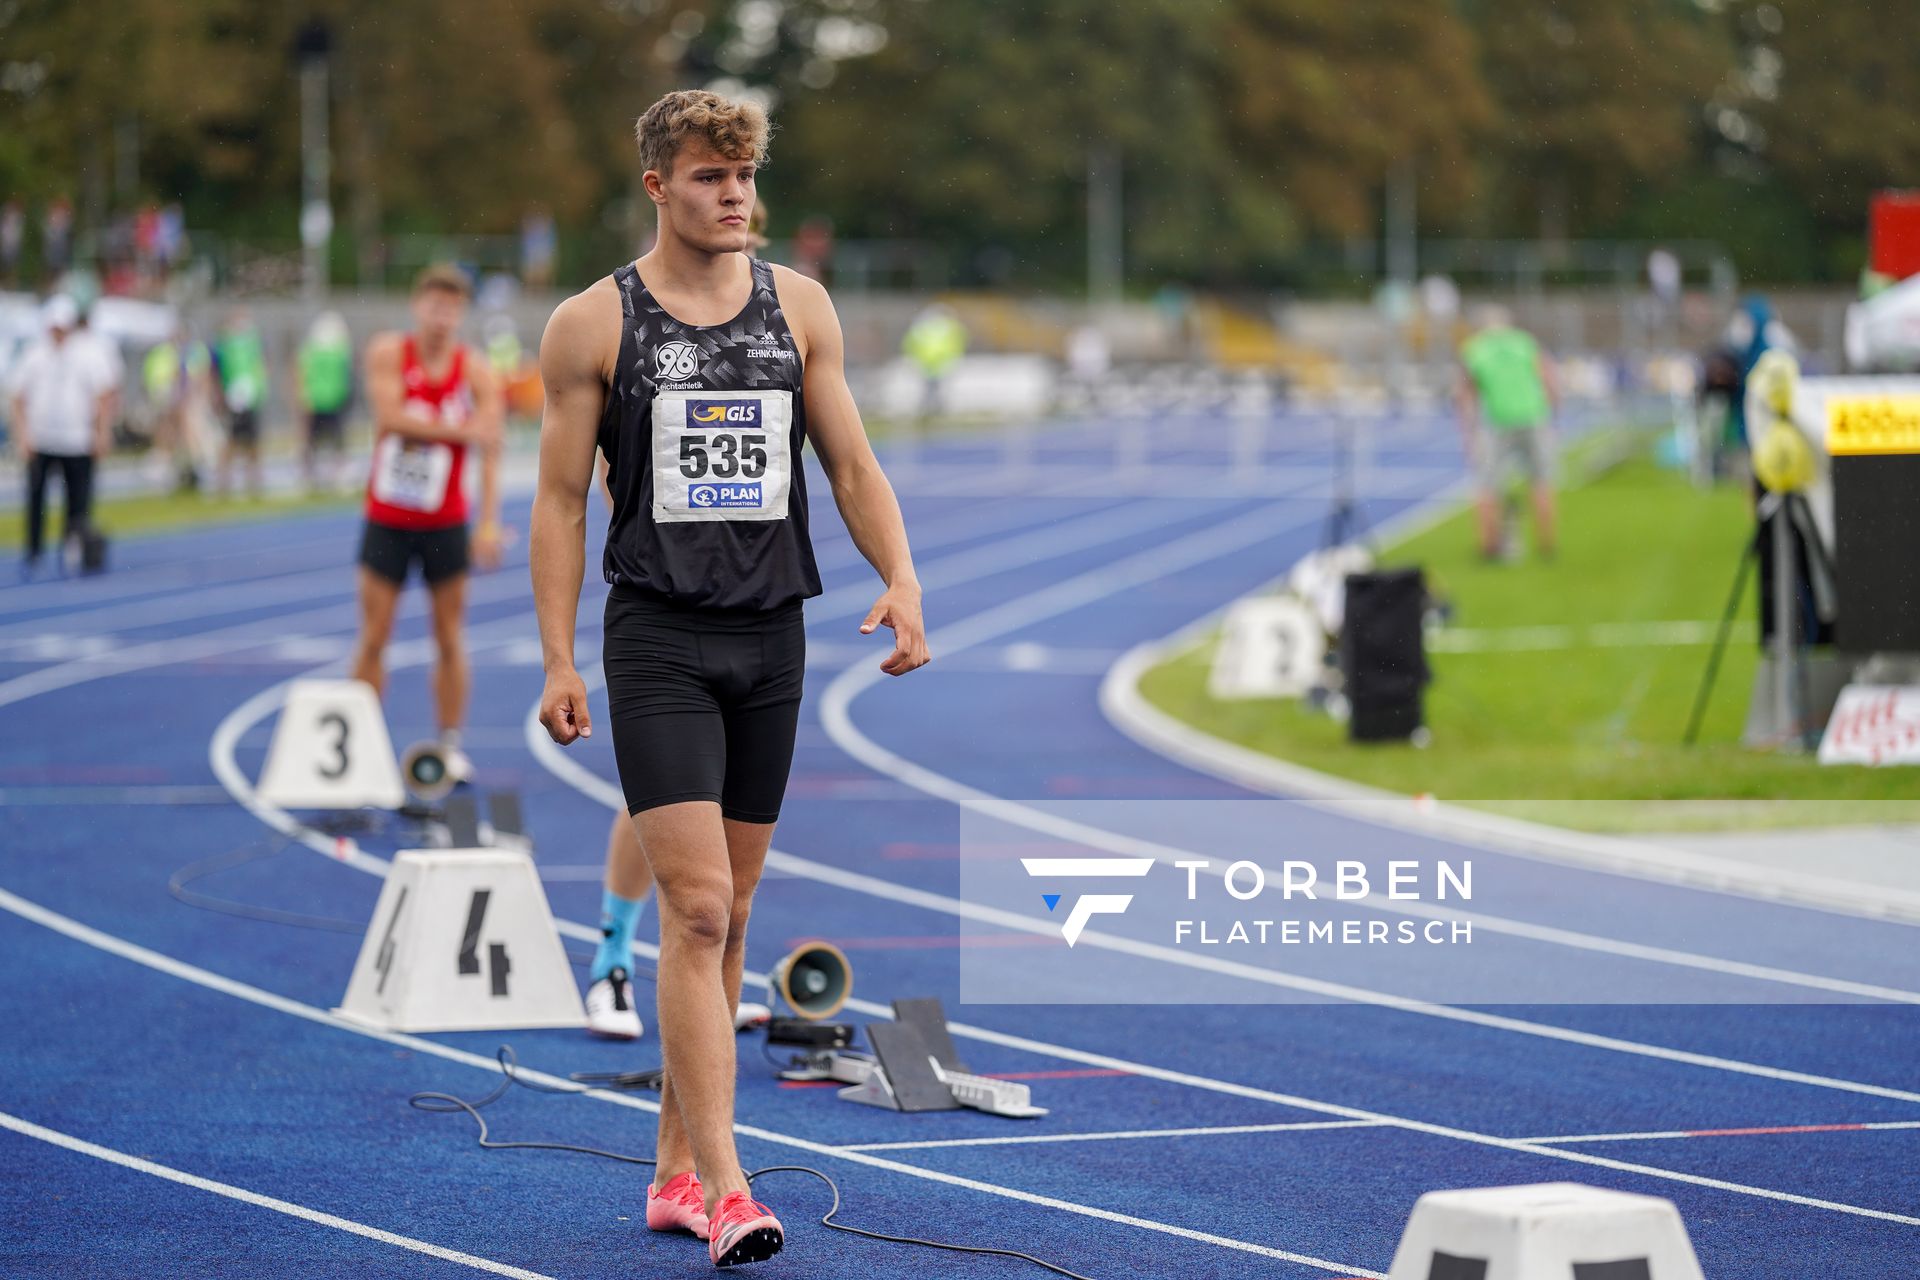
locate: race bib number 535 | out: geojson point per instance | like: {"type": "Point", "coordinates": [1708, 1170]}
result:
{"type": "Point", "coordinates": [721, 455]}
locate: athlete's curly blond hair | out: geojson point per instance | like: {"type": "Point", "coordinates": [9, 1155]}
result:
{"type": "Point", "coordinates": [736, 129]}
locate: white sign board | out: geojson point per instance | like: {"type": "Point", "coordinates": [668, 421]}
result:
{"type": "Point", "coordinates": [330, 750]}
{"type": "Point", "coordinates": [1873, 724]}
{"type": "Point", "coordinates": [462, 940]}
{"type": "Point", "coordinates": [1271, 647]}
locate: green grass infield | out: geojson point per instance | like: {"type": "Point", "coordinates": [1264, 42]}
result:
{"type": "Point", "coordinates": [1561, 688]}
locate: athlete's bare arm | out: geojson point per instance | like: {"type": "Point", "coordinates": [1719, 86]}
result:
{"type": "Point", "coordinates": [576, 366]}
{"type": "Point", "coordinates": [488, 423]}
{"type": "Point", "coordinates": [860, 489]}
{"type": "Point", "coordinates": [387, 397]}
{"type": "Point", "coordinates": [1466, 403]}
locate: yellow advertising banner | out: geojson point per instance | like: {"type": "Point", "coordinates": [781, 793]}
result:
{"type": "Point", "coordinates": [1873, 424]}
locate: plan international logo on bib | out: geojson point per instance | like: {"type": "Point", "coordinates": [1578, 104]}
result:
{"type": "Point", "coordinates": [743, 414]}
{"type": "Point", "coordinates": [723, 495]}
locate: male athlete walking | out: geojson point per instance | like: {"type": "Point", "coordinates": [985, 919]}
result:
{"type": "Point", "coordinates": [701, 374]}
{"type": "Point", "coordinates": [432, 403]}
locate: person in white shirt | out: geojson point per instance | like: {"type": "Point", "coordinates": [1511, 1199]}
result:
{"type": "Point", "coordinates": [62, 401]}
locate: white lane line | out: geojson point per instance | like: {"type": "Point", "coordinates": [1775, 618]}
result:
{"type": "Point", "coordinates": [167, 964]}
{"type": "Point", "coordinates": [230, 729]}
{"type": "Point", "coordinates": [276, 589]}
{"type": "Point", "coordinates": [152, 582]}
{"type": "Point", "coordinates": [1764, 1131]}
{"type": "Point", "coordinates": [838, 697]}
{"type": "Point", "coordinates": [506, 585]}
{"type": "Point", "coordinates": [27, 1128]}
{"type": "Point", "coordinates": [1022, 611]}
{"type": "Point", "coordinates": [165, 794]}
{"type": "Point", "coordinates": [1605, 635]}
{"type": "Point", "coordinates": [163, 963]}
{"type": "Point", "coordinates": [1302, 1126]}
{"type": "Point", "coordinates": [1130, 712]}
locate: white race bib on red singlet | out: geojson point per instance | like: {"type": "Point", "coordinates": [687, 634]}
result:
{"type": "Point", "coordinates": [412, 474]}
{"type": "Point", "coordinates": [721, 455]}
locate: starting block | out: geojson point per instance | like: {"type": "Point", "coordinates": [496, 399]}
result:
{"type": "Point", "coordinates": [1553, 1231]}
{"type": "Point", "coordinates": [915, 1068]}
{"type": "Point", "coordinates": [462, 940]}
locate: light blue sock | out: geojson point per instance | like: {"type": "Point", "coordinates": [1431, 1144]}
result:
{"type": "Point", "coordinates": [618, 916]}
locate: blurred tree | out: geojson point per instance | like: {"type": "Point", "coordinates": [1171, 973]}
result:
{"type": "Point", "coordinates": [454, 115]}
{"type": "Point", "coordinates": [1594, 100]}
{"type": "Point", "coordinates": [1828, 98]}
{"type": "Point", "coordinates": [1242, 128]}
{"type": "Point", "coordinates": [958, 129]}
{"type": "Point", "coordinates": [1324, 97]}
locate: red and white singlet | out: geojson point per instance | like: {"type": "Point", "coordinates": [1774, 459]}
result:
{"type": "Point", "coordinates": [418, 484]}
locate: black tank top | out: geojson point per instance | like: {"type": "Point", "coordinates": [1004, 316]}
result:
{"type": "Point", "coordinates": [703, 433]}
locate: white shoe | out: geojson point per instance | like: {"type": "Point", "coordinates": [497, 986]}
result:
{"type": "Point", "coordinates": [750, 1015]}
{"type": "Point", "coordinates": [610, 1010]}
{"type": "Point", "coordinates": [459, 767]}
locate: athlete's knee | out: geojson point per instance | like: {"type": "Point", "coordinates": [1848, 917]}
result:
{"type": "Point", "coordinates": [737, 922]}
{"type": "Point", "coordinates": [701, 918]}
{"type": "Point", "coordinates": [372, 641]}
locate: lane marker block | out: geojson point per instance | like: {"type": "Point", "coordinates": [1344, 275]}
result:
{"type": "Point", "coordinates": [462, 940]}
{"type": "Point", "coordinates": [330, 750]}
{"type": "Point", "coordinates": [1553, 1231]}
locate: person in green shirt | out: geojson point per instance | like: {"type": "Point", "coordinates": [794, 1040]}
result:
{"type": "Point", "coordinates": [324, 368]}
{"type": "Point", "coordinates": [1506, 398]}
{"type": "Point", "coordinates": [174, 375]}
{"type": "Point", "coordinates": [934, 342]}
{"type": "Point", "coordinates": [240, 369]}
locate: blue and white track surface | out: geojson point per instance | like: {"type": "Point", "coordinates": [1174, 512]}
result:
{"type": "Point", "coordinates": [176, 1101]}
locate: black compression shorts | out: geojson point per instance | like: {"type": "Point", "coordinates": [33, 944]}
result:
{"type": "Point", "coordinates": [391, 552]}
{"type": "Point", "coordinates": [704, 702]}
{"type": "Point", "coordinates": [326, 426]}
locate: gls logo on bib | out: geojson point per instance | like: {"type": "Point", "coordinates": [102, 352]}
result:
{"type": "Point", "coordinates": [676, 361]}
{"type": "Point", "coordinates": [732, 413]}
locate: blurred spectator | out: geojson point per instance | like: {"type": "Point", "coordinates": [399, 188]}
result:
{"type": "Point", "coordinates": [505, 351]}
{"type": "Point", "coordinates": [174, 376]}
{"type": "Point", "coordinates": [539, 246]}
{"type": "Point", "coordinates": [13, 239]}
{"type": "Point", "coordinates": [1718, 432]}
{"type": "Point", "coordinates": [1089, 356]}
{"type": "Point", "coordinates": [935, 341]}
{"type": "Point", "coordinates": [1753, 331]}
{"type": "Point", "coordinates": [813, 248]}
{"type": "Point", "coordinates": [325, 373]}
{"type": "Point", "coordinates": [109, 365]}
{"type": "Point", "coordinates": [170, 237]}
{"type": "Point", "coordinates": [60, 408]}
{"type": "Point", "coordinates": [1506, 396]}
{"type": "Point", "coordinates": [146, 244]}
{"type": "Point", "coordinates": [56, 237]}
{"type": "Point", "coordinates": [240, 376]}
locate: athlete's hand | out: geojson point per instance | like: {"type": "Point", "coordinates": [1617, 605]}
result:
{"type": "Point", "coordinates": [899, 608]}
{"type": "Point", "coordinates": [489, 540]}
{"type": "Point", "coordinates": [563, 707]}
